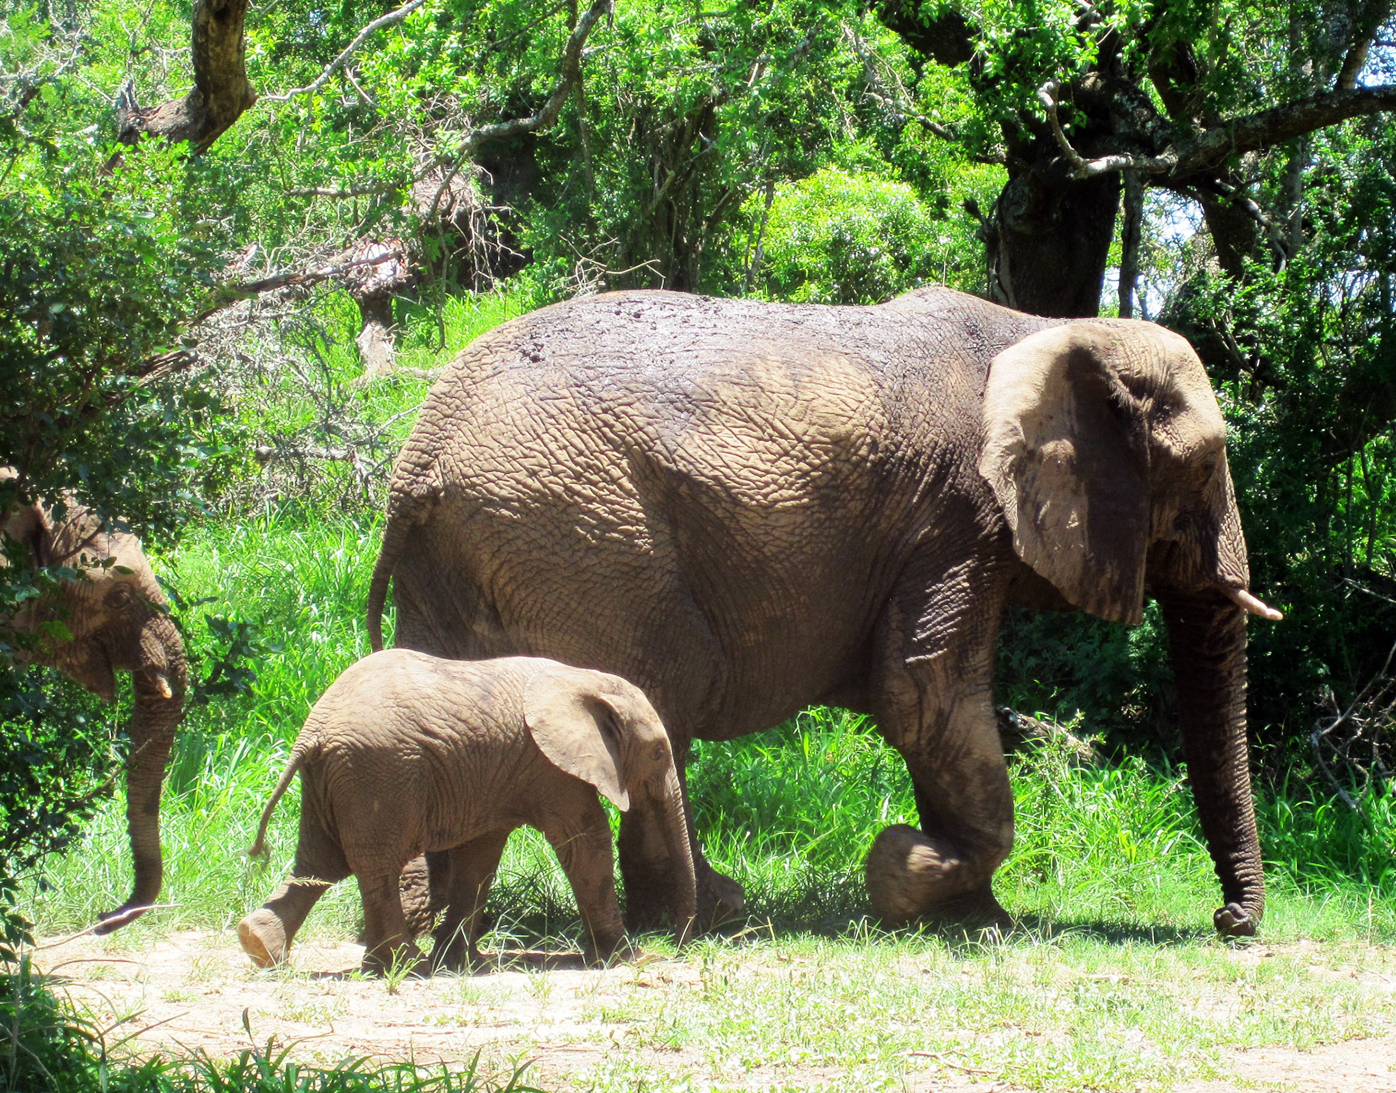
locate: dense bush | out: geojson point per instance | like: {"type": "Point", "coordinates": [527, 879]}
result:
{"type": "Point", "coordinates": [839, 237]}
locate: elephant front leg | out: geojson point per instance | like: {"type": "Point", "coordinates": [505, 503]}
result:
{"type": "Point", "coordinates": [933, 702]}
{"type": "Point", "coordinates": [472, 870]}
{"type": "Point", "coordinates": [583, 847]}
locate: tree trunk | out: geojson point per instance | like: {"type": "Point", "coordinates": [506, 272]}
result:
{"type": "Point", "coordinates": [221, 90]}
{"type": "Point", "coordinates": [1049, 239]}
{"type": "Point", "coordinates": [375, 340]}
{"type": "Point", "coordinates": [1207, 636]}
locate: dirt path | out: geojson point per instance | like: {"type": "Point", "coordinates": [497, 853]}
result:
{"type": "Point", "coordinates": [193, 991]}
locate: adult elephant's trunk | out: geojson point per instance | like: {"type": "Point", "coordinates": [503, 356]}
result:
{"type": "Point", "coordinates": [159, 707]}
{"type": "Point", "coordinates": [684, 887]}
{"type": "Point", "coordinates": [1208, 638]}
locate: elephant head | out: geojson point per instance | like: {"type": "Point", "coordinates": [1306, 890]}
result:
{"type": "Point", "coordinates": [610, 737]}
{"type": "Point", "coordinates": [110, 616]}
{"type": "Point", "coordinates": [1105, 449]}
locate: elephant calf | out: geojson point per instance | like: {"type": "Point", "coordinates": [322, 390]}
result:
{"type": "Point", "coordinates": [408, 754]}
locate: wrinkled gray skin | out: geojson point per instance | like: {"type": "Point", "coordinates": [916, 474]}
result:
{"type": "Point", "coordinates": [746, 508]}
{"type": "Point", "coordinates": [408, 754]}
{"type": "Point", "coordinates": [119, 621]}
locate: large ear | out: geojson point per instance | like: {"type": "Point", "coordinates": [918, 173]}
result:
{"type": "Point", "coordinates": [1067, 455]}
{"type": "Point", "coordinates": [29, 525]}
{"type": "Point", "coordinates": [576, 729]}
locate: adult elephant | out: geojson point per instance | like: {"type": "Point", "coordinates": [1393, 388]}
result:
{"type": "Point", "coordinates": [746, 508]}
{"type": "Point", "coordinates": [112, 617]}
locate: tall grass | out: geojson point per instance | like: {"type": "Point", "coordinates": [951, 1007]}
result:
{"type": "Point", "coordinates": [790, 812]}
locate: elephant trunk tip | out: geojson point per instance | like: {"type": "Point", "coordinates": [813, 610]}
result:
{"type": "Point", "coordinates": [1243, 599]}
{"type": "Point", "coordinates": [1233, 920]}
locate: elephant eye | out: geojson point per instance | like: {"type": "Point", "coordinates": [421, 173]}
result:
{"type": "Point", "coordinates": [1209, 463]}
{"type": "Point", "coordinates": [658, 753]}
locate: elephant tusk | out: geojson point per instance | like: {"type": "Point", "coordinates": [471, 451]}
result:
{"type": "Point", "coordinates": [1242, 598]}
{"type": "Point", "coordinates": [163, 686]}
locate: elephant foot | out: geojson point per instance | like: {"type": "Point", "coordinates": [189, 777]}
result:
{"type": "Point", "coordinates": [453, 951]}
{"type": "Point", "coordinates": [263, 938]}
{"type": "Point", "coordinates": [720, 899]}
{"type": "Point", "coordinates": [1233, 920]}
{"type": "Point", "coordinates": [908, 876]}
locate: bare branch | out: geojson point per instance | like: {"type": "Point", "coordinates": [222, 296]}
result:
{"type": "Point", "coordinates": [1281, 123]}
{"type": "Point", "coordinates": [571, 70]}
{"type": "Point", "coordinates": [1083, 168]}
{"type": "Point", "coordinates": [391, 18]}
{"type": "Point", "coordinates": [226, 295]}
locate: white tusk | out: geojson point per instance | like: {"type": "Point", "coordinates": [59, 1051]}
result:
{"type": "Point", "coordinates": [163, 686]}
{"type": "Point", "coordinates": [1242, 598]}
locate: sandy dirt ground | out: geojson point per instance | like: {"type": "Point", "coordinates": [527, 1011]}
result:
{"type": "Point", "coordinates": [196, 992]}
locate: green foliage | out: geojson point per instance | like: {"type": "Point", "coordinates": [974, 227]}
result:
{"type": "Point", "coordinates": [840, 237]}
{"type": "Point", "coordinates": [53, 772]}
{"type": "Point", "coordinates": [1115, 679]}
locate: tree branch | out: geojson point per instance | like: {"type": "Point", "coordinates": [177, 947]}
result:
{"type": "Point", "coordinates": [334, 66]}
{"type": "Point", "coordinates": [1083, 168]}
{"type": "Point", "coordinates": [571, 70]}
{"type": "Point", "coordinates": [221, 90]}
{"type": "Point", "coordinates": [1208, 150]}
{"type": "Point", "coordinates": [228, 294]}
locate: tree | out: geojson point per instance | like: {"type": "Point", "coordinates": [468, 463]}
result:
{"type": "Point", "coordinates": [1177, 95]}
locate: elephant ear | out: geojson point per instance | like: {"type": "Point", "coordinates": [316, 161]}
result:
{"type": "Point", "coordinates": [576, 729]}
{"type": "Point", "coordinates": [29, 524]}
{"type": "Point", "coordinates": [1066, 453]}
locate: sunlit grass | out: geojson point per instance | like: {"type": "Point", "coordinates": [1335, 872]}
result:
{"type": "Point", "coordinates": [790, 813]}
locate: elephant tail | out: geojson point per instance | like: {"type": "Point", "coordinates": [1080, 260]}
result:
{"type": "Point", "coordinates": [407, 508]}
{"type": "Point", "coordinates": [298, 756]}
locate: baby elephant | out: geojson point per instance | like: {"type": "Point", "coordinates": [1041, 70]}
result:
{"type": "Point", "coordinates": [408, 754]}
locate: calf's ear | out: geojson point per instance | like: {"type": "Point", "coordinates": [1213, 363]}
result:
{"type": "Point", "coordinates": [576, 729]}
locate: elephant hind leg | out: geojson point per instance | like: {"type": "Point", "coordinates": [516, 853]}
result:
{"type": "Point", "coordinates": [472, 869]}
{"type": "Point", "coordinates": [388, 943]}
{"type": "Point", "coordinates": [266, 933]}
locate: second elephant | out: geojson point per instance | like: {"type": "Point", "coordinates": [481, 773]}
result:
{"type": "Point", "coordinates": [408, 754]}
{"type": "Point", "coordinates": [106, 615]}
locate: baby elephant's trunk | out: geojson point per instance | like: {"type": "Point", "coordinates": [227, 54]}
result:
{"type": "Point", "coordinates": [685, 885]}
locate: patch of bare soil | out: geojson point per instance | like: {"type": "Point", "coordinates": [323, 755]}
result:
{"type": "Point", "coordinates": [196, 991]}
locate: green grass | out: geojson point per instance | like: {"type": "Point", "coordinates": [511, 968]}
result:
{"type": "Point", "coordinates": [789, 812]}
{"type": "Point", "coordinates": [1113, 979]}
